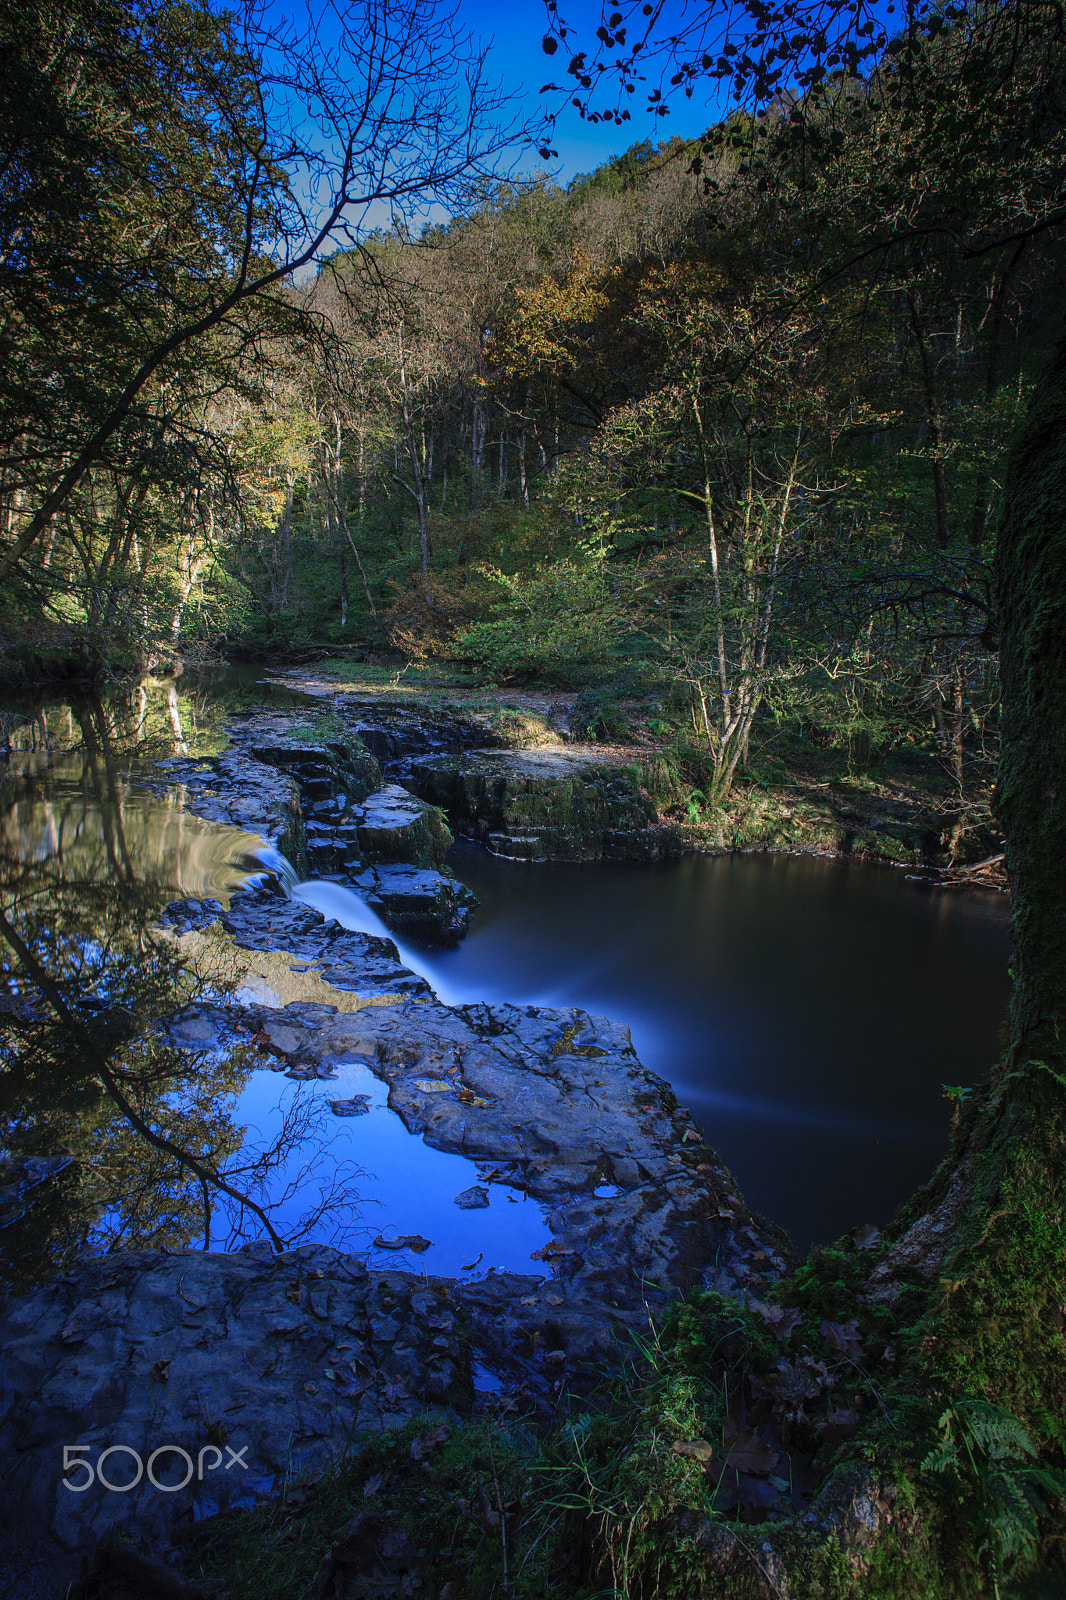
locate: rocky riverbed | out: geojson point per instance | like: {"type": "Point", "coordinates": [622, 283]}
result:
{"type": "Point", "coordinates": [286, 1358]}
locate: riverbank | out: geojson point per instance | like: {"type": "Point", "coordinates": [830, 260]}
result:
{"type": "Point", "coordinates": [800, 794]}
{"type": "Point", "coordinates": [551, 1104]}
{"type": "Point", "coordinates": [742, 1447]}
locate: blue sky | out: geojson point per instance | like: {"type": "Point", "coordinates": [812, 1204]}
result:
{"type": "Point", "coordinates": [516, 30]}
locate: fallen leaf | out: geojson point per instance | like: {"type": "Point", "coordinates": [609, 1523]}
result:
{"type": "Point", "coordinates": [433, 1086]}
{"type": "Point", "coordinates": [468, 1098]}
{"type": "Point", "coordinates": [843, 1338]}
{"type": "Point", "coordinates": [553, 1248]}
{"type": "Point", "coordinates": [372, 1485]}
{"type": "Point", "coordinates": [792, 1384]}
{"type": "Point", "coordinates": [695, 1449]}
{"type": "Point", "coordinates": [780, 1320]}
{"type": "Point", "coordinates": [865, 1235]}
{"type": "Point", "coordinates": [746, 1452]}
{"type": "Point", "coordinates": [556, 1357]}
{"type": "Point", "coordinates": [427, 1442]}
{"type": "Point", "coordinates": [690, 1136]}
{"type": "Point", "coordinates": [845, 1421]}
{"type": "Point", "coordinates": [470, 1265]}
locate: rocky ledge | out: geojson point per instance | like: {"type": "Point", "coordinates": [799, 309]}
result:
{"type": "Point", "coordinates": [280, 1359]}
{"type": "Point", "coordinates": [545, 805]}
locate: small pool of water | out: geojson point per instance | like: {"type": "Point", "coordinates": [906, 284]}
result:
{"type": "Point", "coordinates": [405, 1188]}
{"type": "Point", "coordinates": [808, 1012]}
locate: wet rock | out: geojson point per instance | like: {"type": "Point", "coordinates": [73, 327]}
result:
{"type": "Point", "coordinates": [407, 1241]}
{"type": "Point", "coordinates": [322, 770]}
{"type": "Point", "coordinates": [421, 905]}
{"type": "Point", "coordinates": [472, 1199]}
{"type": "Point", "coordinates": [357, 1106]}
{"type": "Point", "coordinates": [237, 789]}
{"type": "Point", "coordinates": [548, 804]}
{"type": "Point", "coordinates": [349, 961]}
{"type": "Point", "coordinates": [394, 826]}
{"type": "Point", "coordinates": [555, 1102]}
{"type": "Point", "coordinates": [245, 1365]}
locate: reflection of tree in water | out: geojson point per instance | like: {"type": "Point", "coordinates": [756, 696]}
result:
{"type": "Point", "coordinates": [86, 1071]}
{"type": "Point", "coordinates": [149, 719]}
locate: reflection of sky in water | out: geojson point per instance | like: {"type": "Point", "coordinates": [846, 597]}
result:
{"type": "Point", "coordinates": [807, 1012]}
{"type": "Point", "coordinates": [405, 1187]}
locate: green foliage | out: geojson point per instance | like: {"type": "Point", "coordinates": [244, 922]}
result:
{"type": "Point", "coordinates": [559, 622]}
{"type": "Point", "coordinates": [992, 1458]}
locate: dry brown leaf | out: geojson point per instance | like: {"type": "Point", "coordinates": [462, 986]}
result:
{"type": "Point", "coordinates": [550, 1250]}
{"type": "Point", "coordinates": [843, 1338]}
{"type": "Point", "coordinates": [696, 1449]}
{"type": "Point", "coordinates": [781, 1320]}
{"type": "Point", "coordinates": [427, 1442]}
{"type": "Point", "coordinates": [747, 1453]}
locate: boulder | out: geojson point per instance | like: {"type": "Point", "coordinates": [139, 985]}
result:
{"type": "Point", "coordinates": [545, 805]}
{"type": "Point", "coordinates": [394, 826]}
{"type": "Point", "coordinates": [421, 905]}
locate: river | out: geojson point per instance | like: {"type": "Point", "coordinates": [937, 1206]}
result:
{"type": "Point", "coordinates": [809, 1013]}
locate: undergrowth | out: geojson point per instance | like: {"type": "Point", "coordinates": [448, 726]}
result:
{"type": "Point", "coordinates": [702, 1473]}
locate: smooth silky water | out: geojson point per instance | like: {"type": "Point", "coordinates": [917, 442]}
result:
{"type": "Point", "coordinates": [809, 1013]}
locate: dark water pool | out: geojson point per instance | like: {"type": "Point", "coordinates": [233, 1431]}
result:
{"type": "Point", "coordinates": [808, 1012]}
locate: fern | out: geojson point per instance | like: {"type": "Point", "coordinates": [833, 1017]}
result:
{"type": "Point", "coordinates": [991, 1455]}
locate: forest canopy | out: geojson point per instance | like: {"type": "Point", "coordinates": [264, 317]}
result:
{"type": "Point", "coordinates": [722, 418]}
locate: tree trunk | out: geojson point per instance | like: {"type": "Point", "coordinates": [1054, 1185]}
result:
{"type": "Point", "coordinates": [1031, 786]}
{"type": "Point", "coordinates": [933, 420]}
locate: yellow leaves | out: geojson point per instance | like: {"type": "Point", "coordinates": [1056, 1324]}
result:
{"type": "Point", "coordinates": [271, 453]}
{"type": "Point", "coordinates": [553, 323]}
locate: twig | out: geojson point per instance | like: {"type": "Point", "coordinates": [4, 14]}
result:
{"type": "Point", "coordinates": [499, 1504]}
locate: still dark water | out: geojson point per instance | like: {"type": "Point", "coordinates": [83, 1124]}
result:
{"type": "Point", "coordinates": [807, 1012]}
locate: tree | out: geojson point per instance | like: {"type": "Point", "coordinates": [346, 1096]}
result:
{"type": "Point", "coordinates": [983, 1376]}
{"type": "Point", "coordinates": [165, 171]}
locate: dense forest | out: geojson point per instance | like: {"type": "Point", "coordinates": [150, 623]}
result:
{"type": "Point", "coordinates": [718, 434]}
{"type": "Point", "coordinates": [721, 421]}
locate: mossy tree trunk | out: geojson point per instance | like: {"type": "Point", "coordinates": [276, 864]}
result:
{"type": "Point", "coordinates": [994, 1328]}
{"type": "Point", "coordinates": [1031, 789]}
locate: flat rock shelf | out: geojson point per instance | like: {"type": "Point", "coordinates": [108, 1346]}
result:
{"type": "Point", "coordinates": [284, 1359]}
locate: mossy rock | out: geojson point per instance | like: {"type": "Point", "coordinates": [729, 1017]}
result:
{"type": "Point", "coordinates": [546, 805]}
{"type": "Point", "coordinates": [394, 826]}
